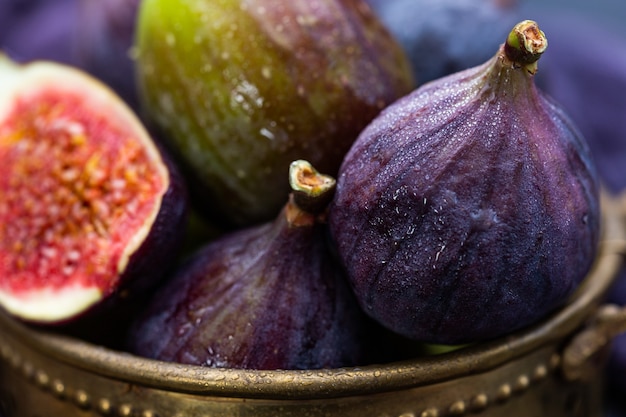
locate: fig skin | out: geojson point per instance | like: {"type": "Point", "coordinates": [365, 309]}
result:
{"type": "Point", "coordinates": [95, 36]}
{"type": "Point", "coordinates": [469, 208]}
{"type": "Point", "coordinates": [142, 252]}
{"type": "Point", "coordinates": [38, 30]}
{"type": "Point", "coordinates": [264, 83]}
{"type": "Point", "coordinates": [442, 37]}
{"type": "Point", "coordinates": [105, 35]}
{"type": "Point", "coordinates": [265, 297]}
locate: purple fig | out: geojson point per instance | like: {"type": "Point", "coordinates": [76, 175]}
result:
{"type": "Point", "coordinates": [469, 208]}
{"type": "Point", "coordinates": [265, 297]}
{"type": "Point", "coordinates": [7, 16]}
{"type": "Point", "coordinates": [105, 35]}
{"type": "Point", "coordinates": [89, 203]}
{"type": "Point", "coordinates": [38, 30]}
{"type": "Point", "coordinates": [441, 37]}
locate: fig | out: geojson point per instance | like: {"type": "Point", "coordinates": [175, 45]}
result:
{"type": "Point", "coordinates": [269, 296]}
{"type": "Point", "coordinates": [442, 37]}
{"type": "Point", "coordinates": [469, 208]}
{"type": "Point", "coordinates": [240, 88]}
{"type": "Point", "coordinates": [105, 33]}
{"type": "Point", "coordinates": [89, 203]}
{"type": "Point", "coordinates": [38, 30]}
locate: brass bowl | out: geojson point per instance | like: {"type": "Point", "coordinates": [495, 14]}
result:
{"type": "Point", "coordinates": [552, 369]}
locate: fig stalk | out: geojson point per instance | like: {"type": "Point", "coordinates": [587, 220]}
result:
{"type": "Point", "coordinates": [525, 45]}
{"type": "Point", "coordinates": [311, 190]}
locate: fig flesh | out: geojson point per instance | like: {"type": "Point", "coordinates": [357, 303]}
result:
{"type": "Point", "coordinates": [241, 88]}
{"type": "Point", "coordinates": [264, 297]}
{"type": "Point", "coordinates": [89, 203]}
{"type": "Point", "coordinates": [469, 208]}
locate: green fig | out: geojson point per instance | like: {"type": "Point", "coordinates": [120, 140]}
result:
{"type": "Point", "coordinates": [240, 88]}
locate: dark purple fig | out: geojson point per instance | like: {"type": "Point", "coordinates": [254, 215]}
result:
{"type": "Point", "coordinates": [38, 30]}
{"type": "Point", "coordinates": [265, 297]}
{"type": "Point", "coordinates": [469, 208]}
{"type": "Point", "coordinates": [441, 37]}
{"type": "Point", "coordinates": [241, 88]}
{"type": "Point", "coordinates": [105, 34]}
{"type": "Point", "coordinates": [7, 15]}
{"type": "Point", "coordinates": [89, 203]}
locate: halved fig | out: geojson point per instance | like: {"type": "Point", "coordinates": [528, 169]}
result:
{"type": "Point", "coordinates": [89, 203]}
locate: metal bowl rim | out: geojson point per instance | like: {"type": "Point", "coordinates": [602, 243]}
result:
{"type": "Point", "coordinates": [328, 383]}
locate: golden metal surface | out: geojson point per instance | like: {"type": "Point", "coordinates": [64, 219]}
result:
{"type": "Point", "coordinates": [524, 374]}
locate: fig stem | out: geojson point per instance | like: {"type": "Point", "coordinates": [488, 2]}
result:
{"type": "Point", "coordinates": [312, 191]}
{"type": "Point", "coordinates": [525, 44]}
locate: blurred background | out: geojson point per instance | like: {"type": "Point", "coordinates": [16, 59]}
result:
{"type": "Point", "coordinates": [609, 13]}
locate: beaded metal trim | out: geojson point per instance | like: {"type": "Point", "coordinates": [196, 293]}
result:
{"type": "Point", "coordinates": [108, 407]}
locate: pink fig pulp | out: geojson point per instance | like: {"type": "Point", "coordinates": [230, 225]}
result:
{"type": "Point", "coordinates": [86, 193]}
